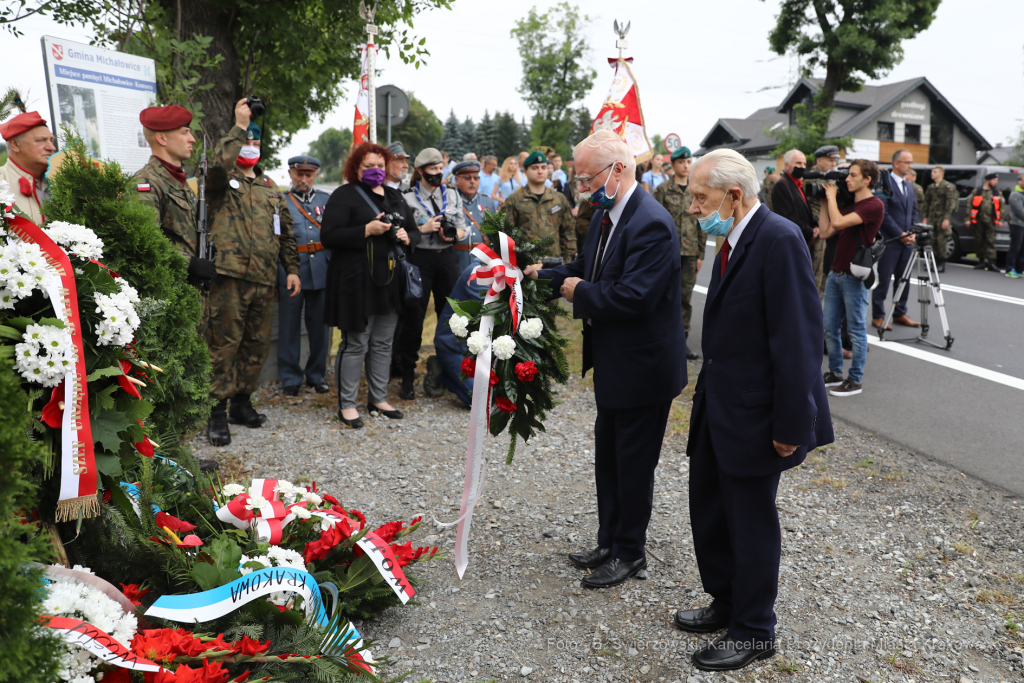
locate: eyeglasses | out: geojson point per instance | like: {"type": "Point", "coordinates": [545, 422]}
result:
{"type": "Point", "coordinates": [583, 181]}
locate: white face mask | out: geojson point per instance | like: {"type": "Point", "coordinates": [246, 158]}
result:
{"type": "Point", "coordinates": [249, 152]}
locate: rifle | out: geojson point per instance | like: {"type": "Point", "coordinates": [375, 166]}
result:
{"type": "Point", "coordinates": [206, 250]}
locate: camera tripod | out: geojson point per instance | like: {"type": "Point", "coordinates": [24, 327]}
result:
{"type": "Point", "coordinates": [927, 282]}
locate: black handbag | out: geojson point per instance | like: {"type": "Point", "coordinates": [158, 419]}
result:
{"type": "Point", "coordinates": [864, 264]}
{"type": "Point", "coordinates": [410, 284]}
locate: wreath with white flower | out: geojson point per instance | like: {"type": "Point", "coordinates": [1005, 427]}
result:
{"type": "Point", "coordinates": [527, 361]}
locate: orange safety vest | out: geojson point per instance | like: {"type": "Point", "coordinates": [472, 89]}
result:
{"type": "Point", "coordinates": [976, 205]}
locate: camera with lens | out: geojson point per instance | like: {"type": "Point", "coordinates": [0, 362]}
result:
{"type": "Point", "coordinates": [923, 232]}
{"type": "Point", "coordinates": [257, 105]}
{"type": "Point", "coordinates": [814, 191]}
{"type": "Point", "coordinates": [448, 228]}
{"type": "Point", "coordinates": [395, 220]}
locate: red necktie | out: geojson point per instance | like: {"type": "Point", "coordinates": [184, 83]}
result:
{"type": "Point", "coordinates": [726, 247]}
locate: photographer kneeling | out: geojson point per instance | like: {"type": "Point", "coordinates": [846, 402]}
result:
{"type": "Point", "coordinates": [364, 223]}
{"type": "Point", "coordinates": [857, 223]}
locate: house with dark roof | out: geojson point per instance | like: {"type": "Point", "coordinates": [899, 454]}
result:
{"type": "Point", "coordinates": [998, 155]}
{"type": "Point", "coordinates": [881, 119]}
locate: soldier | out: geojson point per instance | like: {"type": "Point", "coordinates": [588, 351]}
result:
{"type": "Point", "coordinates": [769, 182]}
{"type": "Point", "coordinates": [251, 228]}
{"type": "Point", "coordinates": [940, 201]}
{"type": "Point", "coordinates": [161, 185]}
{"type": "Point", "coordinates": [29, 146]}
{"type": "Point", "coordinates": [985, 206]}
{"type": "Point", "coordinates": [825, 160]}
{"type": "Point", "coordinates": [306, 205]}
{"type": "Point", "coordinates": [542, 212]}
{"type": "Point", "coordinates": [674, 195]}
{"type": "Point", "coordinates": [918, 190]}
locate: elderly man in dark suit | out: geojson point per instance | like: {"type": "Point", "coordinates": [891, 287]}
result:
{"type": "Point", "coordinates": [625, 287]}
{"type": "Point", "coordinates": [900, 215]}
{"type": "Point", "coordinates": [759, 406]}
{"type": "Point", "coordinates": [788, 198]}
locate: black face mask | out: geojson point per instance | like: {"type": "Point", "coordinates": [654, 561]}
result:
{"type": "Point", "coordinates": [433, 178]}
{"type": "Point", "coordinates": [798, 173]}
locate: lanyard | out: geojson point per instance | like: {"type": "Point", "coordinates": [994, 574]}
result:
{"type": "Point", "coordinates": [444, 201]}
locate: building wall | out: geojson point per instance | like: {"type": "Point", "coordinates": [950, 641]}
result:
{"type": "Point", "coordinates": [842, 114]}
{"type": "Point", "coordinates": [964, 151]}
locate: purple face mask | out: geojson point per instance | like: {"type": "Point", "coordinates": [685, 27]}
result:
{"type": "Point", "coordinates": [374, 177]}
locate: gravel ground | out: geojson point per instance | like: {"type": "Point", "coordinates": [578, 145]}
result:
{"type": "Point", "coordinates": [894, 567]}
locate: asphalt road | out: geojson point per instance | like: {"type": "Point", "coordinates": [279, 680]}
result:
{"type": "Point", "coordinates": [963, 407]}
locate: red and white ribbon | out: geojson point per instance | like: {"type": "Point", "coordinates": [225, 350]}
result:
{"type": "Point", "coordinates": [77, 459]}
{"type": "Point", "coordinates": [273, 517]}
{"type": "Point", "coordinates": [499, 272]}
{"type": "Point", "coordinates": [100, 643]}
{"type": "Point", "coordinates": [383, 557]}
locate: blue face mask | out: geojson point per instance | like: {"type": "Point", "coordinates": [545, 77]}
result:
{"type": "Point", "coordinates": [600, 199]}
{"type": "Point", "coordinates": [715, 224]}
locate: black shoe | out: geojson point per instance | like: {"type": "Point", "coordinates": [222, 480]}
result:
{"type": "Point", "coordinates": [613, 572]}
{"type": "Point", "coordinates": [374, 411]}
{"type": "Point", "coordinates": [217, 430]}
{"type": "Point", "coordinates": [355, 423]}
{"type": "Point", "coordinates": [242, 412]}
{"type": "Point", "coordinates": [318, 387]}
{"type": "Point", "coordinates": [832, 379]}
{"type": "Point", "coordinates": [980, 265]}
{"type": "Point", "coordinates": [991, 266]}
{"type": "Point", "coordinates": [690, 355]}
{"type": "Point", "coordinates": [432, 386]}
{"type": "Point", "coordinates": [208, 465]}
{"type": "Point", "coordinates": [291, 391]}
{"type": "Point", "coordinates": [407, 392]}
{"type": "Point", "coordinates": [726, 654]}
{"type": "Point", "coordinates": [703, 620]}
{"type": "Point", "coordinates": [940, 266]}
{"type": "Point", "coordinates": [592, 559]}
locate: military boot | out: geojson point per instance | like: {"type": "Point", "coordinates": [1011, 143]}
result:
{"type": "Point", "coordinates": [217, 430]}
{"type": "Point", "coordinates": [407, 393]}
{"type": "Point", "coordinates": [432, 386]}
{"type": "Point", "coordinates": [242, 412]}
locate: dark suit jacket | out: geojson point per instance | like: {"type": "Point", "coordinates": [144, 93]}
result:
{"type": "Point", "coordinates": [635, 341]}
{"type": "Point", "coordinates": [900, 213]}
{"type": "Point", "coordinates": [761, 379]}
{"type": "Point", "coordinates": [788, 202]}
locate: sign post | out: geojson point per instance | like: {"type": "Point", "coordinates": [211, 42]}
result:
{"type": "Point", "coordinates": [672, 142]}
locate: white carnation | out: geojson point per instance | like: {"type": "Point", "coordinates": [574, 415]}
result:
{"type": "Point", "coordinates": [75, 239]}
{"type": "Point", "coordinates": [301, 512]}
{"type": "Point", "coordinates": [311, 497]}
{"type": "Point", "coordinates": [531, 329]}
{"type": "Point", "coordinates": [287, 489]}
{"type": "Point", "coordinates": [6, 197]}
{"type": "Point", "coordinates": [459, 325]}
{"type": "Point", "coordinates": [256, 502]}
{"type": "Point", "coordinates": [503, 347]}
{"type": "Point", "coordinates": [477, 342]}
{"type": "Point", "coordinates": [120, 319]}
{"type": "Point", "coordinates": [233, 490]}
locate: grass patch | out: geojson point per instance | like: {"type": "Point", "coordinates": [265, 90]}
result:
{"type": "Point", "coordinates": [817, 462]}
{"type": "Point", "coordinates": [964, 548]}
{"type": "Point", "coordinates": [901, 664]}
{"type": "Point", "coordinates": [789, 668]}
{"type": "Point", "coordinates": [679, 419]}
{"type": "Point", "coordinates": [994, 597]}
{"type": "Point", "coordinates": [866, 463]}
{"type": "Point", "coordinates": [573, 331]}
{"type": "Point", "coordinates": [897, 475]}
{"type": "Point", "coordinates": [1019, 578]}
{"type": "Point", "coordinates": [829, 481]}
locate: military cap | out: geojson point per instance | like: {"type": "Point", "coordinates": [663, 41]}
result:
{"type": "Point", "coordinates": [21, 123]}
{"type": "Point", "coordinates": [535, 158]}
{"type": "Point", "coordinates": [770, 169]}
{"type": "Point", "coordinates": [304, 162]}
{"type": "Point", "coordinates": [827, 151]}
{"type": "Point", "coordinates": [471, 165]}
{"type": "Point", "coordinates": [165, 118]}
{"type": "Point", "coordinates": [398, 151]}
{"type": "Point", "coordinates": [991, 176]}
{"type": "Point", "coordinates": [428, 157]}
{"type": "Point", "coordinates": [681, 153]}
{"type": "Point", "coordinates": [253, 132]}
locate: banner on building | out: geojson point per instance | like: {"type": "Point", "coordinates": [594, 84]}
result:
{"type": "Point", "coordinates": [621, 112]}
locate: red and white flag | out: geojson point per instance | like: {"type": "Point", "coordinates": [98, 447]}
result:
{"type": "Point", "coordinates": [361, 127]}
{"type": "Point", "coordinates": [621, 112]}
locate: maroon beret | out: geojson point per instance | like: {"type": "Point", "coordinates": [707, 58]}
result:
{"type": "Point", "coordinates": [165, 118]}
{"type": "Point", "coordinates": [21, 123]}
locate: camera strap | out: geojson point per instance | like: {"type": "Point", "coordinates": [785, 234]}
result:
{"type": "Point", "coordinates": [303, 211]}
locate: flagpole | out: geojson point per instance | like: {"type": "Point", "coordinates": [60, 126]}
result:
{"type": "Point", "coordinates": [371, 71]}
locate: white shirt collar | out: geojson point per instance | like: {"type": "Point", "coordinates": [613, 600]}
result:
{"type": "Point", "coordinates": [620, 206]}
{"type": "Point", "coordinates": [734, 235]}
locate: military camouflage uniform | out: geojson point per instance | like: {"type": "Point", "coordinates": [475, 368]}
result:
{"type": "Point", "coordinates": [940, 201]}
{"type": "Point", "coordinates": [692, 239]}
{"type": "Point", "coordinates": [767, 186]}
{"type": "Point", "coordinates": [818, 248]}
{"type": "Point", "coordinates": [545, 215]}
{"type": "Point", "coordinates": [985, 227]}
{"type": "Point", "coordinates": [251, 227]}
{"type": "Point", "coordinates": [919, 197]}
{"type": "Point", "coordinates": [176, 205]}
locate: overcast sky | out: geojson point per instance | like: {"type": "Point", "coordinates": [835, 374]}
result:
{"type": "Point", "coordinates": [695, 62]}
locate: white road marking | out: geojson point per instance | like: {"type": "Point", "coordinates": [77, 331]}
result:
{"type": "Point", "coordinates": [944, 361]}
{"type": "Point", "coordinates": [978, 293]}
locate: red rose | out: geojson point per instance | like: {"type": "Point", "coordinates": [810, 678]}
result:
{"type": "Point", "coordinates": [133, 592]}
{"type": "Point", "coordinates": [173, 523]}
{"type": "Point", "coordinates": [505, 405]}
{"type": "Point", "coordinates": [212, 672]}
{"type": "Point", "coordinates": [53, 412]}
{"type": "Point", "coordinates": [494, 379]}
{"type": "Point", "coordinates": [469, 366]}
{"type": "Point", "coordinates": [526, 371]}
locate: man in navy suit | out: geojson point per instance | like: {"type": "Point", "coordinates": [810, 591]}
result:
{"type": "Point", "coordinates": [625, 287]}
{"type": "Point", "coordinates": [758, 407]}
{"type": "Point", "coordinates": [900, 214]}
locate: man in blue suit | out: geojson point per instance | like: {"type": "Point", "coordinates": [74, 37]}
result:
{"type": "Point", "coordinates": [625, 287]}
{"type": "Point", "coordinates": [758, 407]}
{"type": "Point", "coordinates": [900, 214]}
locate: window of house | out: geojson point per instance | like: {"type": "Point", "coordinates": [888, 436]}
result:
{"type": "Point", "coordinates": [912, 133]}
{"type": "Point", "coordinates": [886, 131]}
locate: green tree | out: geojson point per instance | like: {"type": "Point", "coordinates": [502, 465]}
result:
{"type": "Point", "coordinates": [581, 122]}
{"type": "Point", "coordinates": [553, 49]}
{"type": "Point", "coordinates": [451, 142]}
{"type": "Point", "coordinates": [467, 130]}
{"type": "Point", "coordinates": [331, 148]}
{"type": "Point", "coordinates": [294, 55]}
{"type": "Point", "coordinates": [658, 143]}
{"type": "Point", "coordinates": [852, 40]}
{"type": "Point", "coordinates": [420, 129]}
{"type": "Point", "coordinates": [486, 136]}
{"type": "Point", "coordinates": [508, 137]}
{"type": "Point", "coordinates": [809, 132]}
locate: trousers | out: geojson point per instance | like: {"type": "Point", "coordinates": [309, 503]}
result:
{"type": "Point", "coordinates": [371, 347]}
{"type": "Point", "coordinates": [241, 315]}
{"type": "Point", "coordinates": [688, 278]}
{"type": "Point", "coordinates": [439, 269]}
{"type": "Point", "coordinates": [289, 336]}
{"type": "Point", "coordinates": [893, 262]}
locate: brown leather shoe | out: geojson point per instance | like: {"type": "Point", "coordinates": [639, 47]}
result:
{"type": "Point", "coordinates": [877, 322]}
{"type": "Point", "coordinates": [906, 322]}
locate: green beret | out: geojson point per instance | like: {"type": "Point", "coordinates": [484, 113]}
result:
{"type": "Point", "coordinates": [252, 132]}
{"type": "Point", "coordinates": [535, 158]}
{"type": "Point", "coordinates": [682, 153]}
{"type": "Point", "coordinates": [770, 169]}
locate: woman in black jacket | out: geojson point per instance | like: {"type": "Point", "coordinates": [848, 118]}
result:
{"type": "Point", "coordinates": [363, 299]}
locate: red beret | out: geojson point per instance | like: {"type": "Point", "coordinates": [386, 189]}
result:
{"type": "Point", "coordinates": [21, 123]}
{"type": "Point", "coordinates": [165, 118]}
